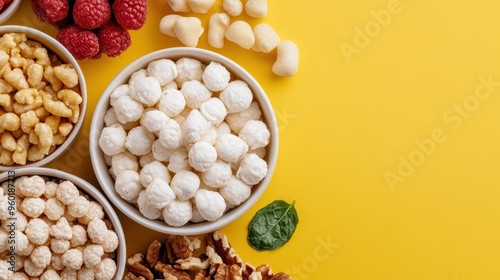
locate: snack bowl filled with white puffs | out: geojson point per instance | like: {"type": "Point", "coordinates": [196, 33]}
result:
{"type": "Point", "coordinates": [43, 98]}
{"type": "Point", "coordinates": [184, 141]}
{"type": "Point", "coordinates": [55, 225]}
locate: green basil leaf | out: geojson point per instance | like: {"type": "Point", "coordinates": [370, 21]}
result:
{"type": "Point", "coordinates": [273, 225]}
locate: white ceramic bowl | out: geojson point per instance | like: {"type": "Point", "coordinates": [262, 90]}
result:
{"type": "Point", "coordinates": [11, 10]}
{"type": "Point", "coordinates": [86, 187]}
{"type": "Point", "coordinates": [65, 56]}
{"type": "Point", "coordinates": [107, 182]}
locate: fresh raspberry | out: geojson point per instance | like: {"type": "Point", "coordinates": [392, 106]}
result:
{"type": "Point", "coordinates": [4, 4]}
{"type": "Point", "coordinates": [40, 12]}
{"type": "Point", "coordinates": [56, 10]}
{"type": "Point", "coordinates": [81, 43]}
{"type": "Point", "coordinates": [91, 14]}
{"type": "Point", "coordinates": [131, 14]}
{"type": "Point", "coordinates": [113, 39]}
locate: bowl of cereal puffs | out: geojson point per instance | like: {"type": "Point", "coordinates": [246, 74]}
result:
{"type": "Point", "coordinates": [184, 141]}
{"type": "Point", "coordinates": [43, 98]}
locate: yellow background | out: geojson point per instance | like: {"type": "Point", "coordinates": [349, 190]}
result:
{"type": "Point", "coordinates": [347, 120]}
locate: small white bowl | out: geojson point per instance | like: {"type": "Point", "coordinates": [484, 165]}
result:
{"type": "Point", "coordinates": [101, 169]}
{"type": "Point", "coordinates": [86, 187]}
{"type": "Point", "coordinates": [65, 56]}
{"type": "Point", "coordinates": [11, 10]}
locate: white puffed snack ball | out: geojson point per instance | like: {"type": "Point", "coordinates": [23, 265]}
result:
{"type": "Point", "coordinates": [202, 156]}
{"type": "Point", "coordinates": [92, 255]}
{"type": "Point", "coordinates": [128, 185]}
{"type": "Point", "coordinates": [188, 69]}
{"type": "Point", "coordinates": [287, 61]}
{"type": "Point", "coordinates": [159, 194]}
{"type": "Point", "coordinates": [79, 208]}
{"type": "Point", "coordinates": [179, 160]}
{"type": "Point", "coordinates": [72, 259]}
{"type": "Point", "coordinates": [217, 175]}
{"type": "Point", "coordinates": [137, 75]}
{"type": "Point", "coordinates": [110, 117]}
{"type": "Point", "coordinates": [160, 153]}
{"type": "Point", "coordinates": [235, 191]}
{"type": "Point", "coordinates": [154, 170]}
{"type": "Point", "coordinates": [96, 230]}
{"type": "Point", "coordinates": [95, 212]}
{"type": "Point", "coordinates": [177, 213]}
{"type": "Point", "coordinates": [217, 26]}
{"type": "Point", "coordinates": [195, 126]}
{"type": "Point", "coordinates": [230, 147]}
{"type": "Point", "coordinates": [232, 7]}
{"type": "Point", "coordinates": [188, 30]}
{"type": "Point", "coordinates": [164, 70]}
{"type": "Point", "coordinates": [145, 159]}
{"type": "Point", "coordinates": [60, 246]}
{"type": "Point", "coordinates": [79, 236]}
{"type": "Point", "coordinates": [216, 77]}
{"type": "Point", "coordinates": [222, 128]}
{"type": "Point", "coordinates": [33, 186]}
{"type": "Point", "coordinates": [185, 184]}
{"type": "Point", "coordinates": [266, 39]}
{"type": "Point", "coordinates": [252, 169]}
{"type": "Point", "coordinates": [200, 6]}
{"type": "Point", "coordinates": [255, 134]}
{"type": "Point", "coordinates": [172, 102]}
{"type": "Point", "coordinates": [119, 91]}
{"type": "Point", "coordinates": [171, 135]}
{"type": "Point", "coordinates": [139, 141]}
{"type": "Point", "coordinates": [61, 230]}
{"type": "Point", "coordinates": [214, 110]}
{"type": "Point", "coordinates": [124, 161]}
{"type": "Point", "coordinates": [196, 217]}
{"type": "Point", "coordinates": [110, 242]}
{"type": "Point", "coordinates": [31, 269]}
{"type": "Point", "coordinates": [33, 206]}
{"type": "Point", "coordinates": [241, 33]}
{"type": "Point", "coordinates": [210, 204]}
{"type": "Point", "coordinates": [256, 8]}
{"type": "Point", "coordinates": [54, 209]}
{"type": "Point", "coordinates": [127, 109]}
{"type": "Point", "coordinates": [67, 192]}
{"type": "Point", "coordinates": [112, 140]}
{"type": "Point", "coordinates": [237, 120]}
{"type": "Point", "coordinates": [167, 24]}
{"type": "Point", "coordinates": [147, 91]}
{"type": "Point", "coordinates": [154, 120]}
{"type": "Point", "coordinates": [195, 93]}
{"type": "Point", "coordinates": [105, 270]}
{"type": "Point", "coordinates": [40, 256]}
{"type": "Point", "coordinates": [237, 96]}
{"type": "Point", "coordinates": [37, 231]}
{"type": "Point", "coordinates": [146, 209]}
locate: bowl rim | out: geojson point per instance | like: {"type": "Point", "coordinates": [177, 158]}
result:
{"type": "Point", "coordinates": [10, 11]}
{"type": "Point", "coordinates": [57, 48]}
{"type": "Point", "coordinates": [101, 169]}
{"type": "Point", "coordinates": [121, 255]}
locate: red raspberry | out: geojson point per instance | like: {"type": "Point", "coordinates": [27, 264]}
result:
{"type": "Point", "coordinates": [91, 14]}
{"type": "Point", "coordinates": [40, 12]}
{"type": "Point", "coordinates": [81, 43]}
{"type": "Point", "coordinates": [56, 10]}
{"type": "Point", "coordinates": [4, 4]}
{"type": "Point", "coordinates": [131, 14]}
{"type": "Point", "coordinates": [113, 39]}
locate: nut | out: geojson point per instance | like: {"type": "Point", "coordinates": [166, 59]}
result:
{"type": "Point", "coordinates": [135, 264]}
{"type": "Point", "coordinates": [218, 262]}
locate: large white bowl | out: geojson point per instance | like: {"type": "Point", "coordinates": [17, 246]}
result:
{"type": "Point", "coordinates": [107, 182]}
{"type": "Point", "coordinates": [65, 56]}
{"type": "Point", "coordinates": [11, 10]}
{"type": "Point", "coordinates": [86, 187]}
